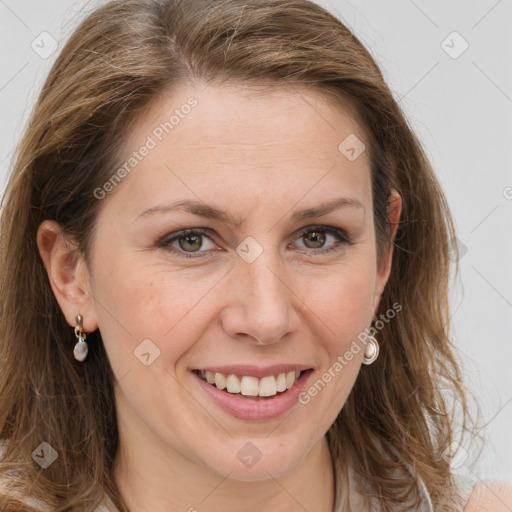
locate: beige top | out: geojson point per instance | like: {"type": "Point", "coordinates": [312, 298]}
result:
{"type": "Point", "coordinates": [358, 502]}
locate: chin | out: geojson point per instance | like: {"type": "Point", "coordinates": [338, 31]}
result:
{"type": "Point", "coordinates": [253, 460]}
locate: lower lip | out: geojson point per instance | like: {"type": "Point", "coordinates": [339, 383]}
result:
{"type": "Point", "coordinates": [255, 410]}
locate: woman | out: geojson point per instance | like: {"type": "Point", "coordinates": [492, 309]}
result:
{"type": "Point", "coordinates": [224, 271]}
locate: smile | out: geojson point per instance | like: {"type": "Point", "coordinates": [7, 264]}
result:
{"type": "Point", "coordinates": [250, 397]}
{"type": "Point", "coordinates": [248, 385]}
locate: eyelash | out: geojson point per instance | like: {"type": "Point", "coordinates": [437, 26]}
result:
{"type": "Point", "coordinates": [339, 234]}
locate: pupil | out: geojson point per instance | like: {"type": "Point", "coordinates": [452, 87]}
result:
{"type": "Point", "coordinates": [192, 240]}
{"type": "Point", "coordinates": [318, 238]}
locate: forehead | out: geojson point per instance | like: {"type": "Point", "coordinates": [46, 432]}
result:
{"type": "Point", "coordinates": [210, 140]}
{"type": "Point", "coordinates": [254, 107]}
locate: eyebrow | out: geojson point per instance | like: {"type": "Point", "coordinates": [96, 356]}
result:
{"type": "Point", "coordinates": [206, 211]}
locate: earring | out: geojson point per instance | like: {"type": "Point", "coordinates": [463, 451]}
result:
{"type": "Point", "coordinates": [81, 348]}
{"type": "Point", "coordinates": [371, 352]}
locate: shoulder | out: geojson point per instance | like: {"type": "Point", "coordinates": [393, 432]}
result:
{"type": "Point", "coordinates": [490, 496]}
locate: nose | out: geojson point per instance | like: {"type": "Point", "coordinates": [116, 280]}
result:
{"type": "Point", "coordinates": [261, 305]}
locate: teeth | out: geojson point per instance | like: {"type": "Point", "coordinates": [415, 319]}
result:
{"type": "Point", "coordinates": [281, 382]}
{"type": "Point", "coordinates": [252, 386]}
{"type": "Point", "coordinates": [248, 385]}
{"type": "Point", "coordinates": [233, 384]}
{"type": "Point", "coordinates": [268, 386]}
{"type": "Point", "coordinates": [220, 380]}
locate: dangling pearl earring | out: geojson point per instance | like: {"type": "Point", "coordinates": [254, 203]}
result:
{"type": "Point", "coordinates": [81, 348]}
{"type": "Point", "coordinates": [371, 352]}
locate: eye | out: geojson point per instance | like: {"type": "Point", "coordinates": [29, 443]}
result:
{"type": "Point", "coordinates": [188, 241]}
{"type": "Point", "coordinates": [315, 237]}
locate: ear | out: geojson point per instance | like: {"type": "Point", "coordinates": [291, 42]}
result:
{"type": "Point", "coordinates": [394, 210]}
{"type": "Point", "coordinates": [68, 274]}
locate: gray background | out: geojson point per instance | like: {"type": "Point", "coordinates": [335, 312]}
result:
{"type": "Point", "coordinates": [461, 107]}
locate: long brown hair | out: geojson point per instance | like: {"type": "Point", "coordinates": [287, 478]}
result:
{"type": "Point", "coordinates": [118, 60]}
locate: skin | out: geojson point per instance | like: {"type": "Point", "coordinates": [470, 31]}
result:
{"type": "Point", "coordinates": [490, 496]}
{"type": "Point", "coordinates": [260, 157]}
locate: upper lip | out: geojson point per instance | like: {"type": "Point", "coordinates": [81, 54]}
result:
{"type": "Point", "coordinates": [255, 371]}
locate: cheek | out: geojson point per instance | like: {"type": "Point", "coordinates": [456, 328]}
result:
{"type": "Point", "coordinates": [341, 307]}
{"type": "Point", "coordinates": [138, 302]}
{"type": "Point", "coordinates": [342, 299]}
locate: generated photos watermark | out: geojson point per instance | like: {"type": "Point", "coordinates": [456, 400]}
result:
{"type": "Point", "coordinates": [343, 360]}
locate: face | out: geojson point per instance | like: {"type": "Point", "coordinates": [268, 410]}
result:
{"type": "Point", "coordinates": [251, 280]}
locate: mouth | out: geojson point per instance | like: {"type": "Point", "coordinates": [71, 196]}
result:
{"type": "Point", "coordinates": [253, 394]}
{"type": "Point", "coordinates": [251, 387]}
